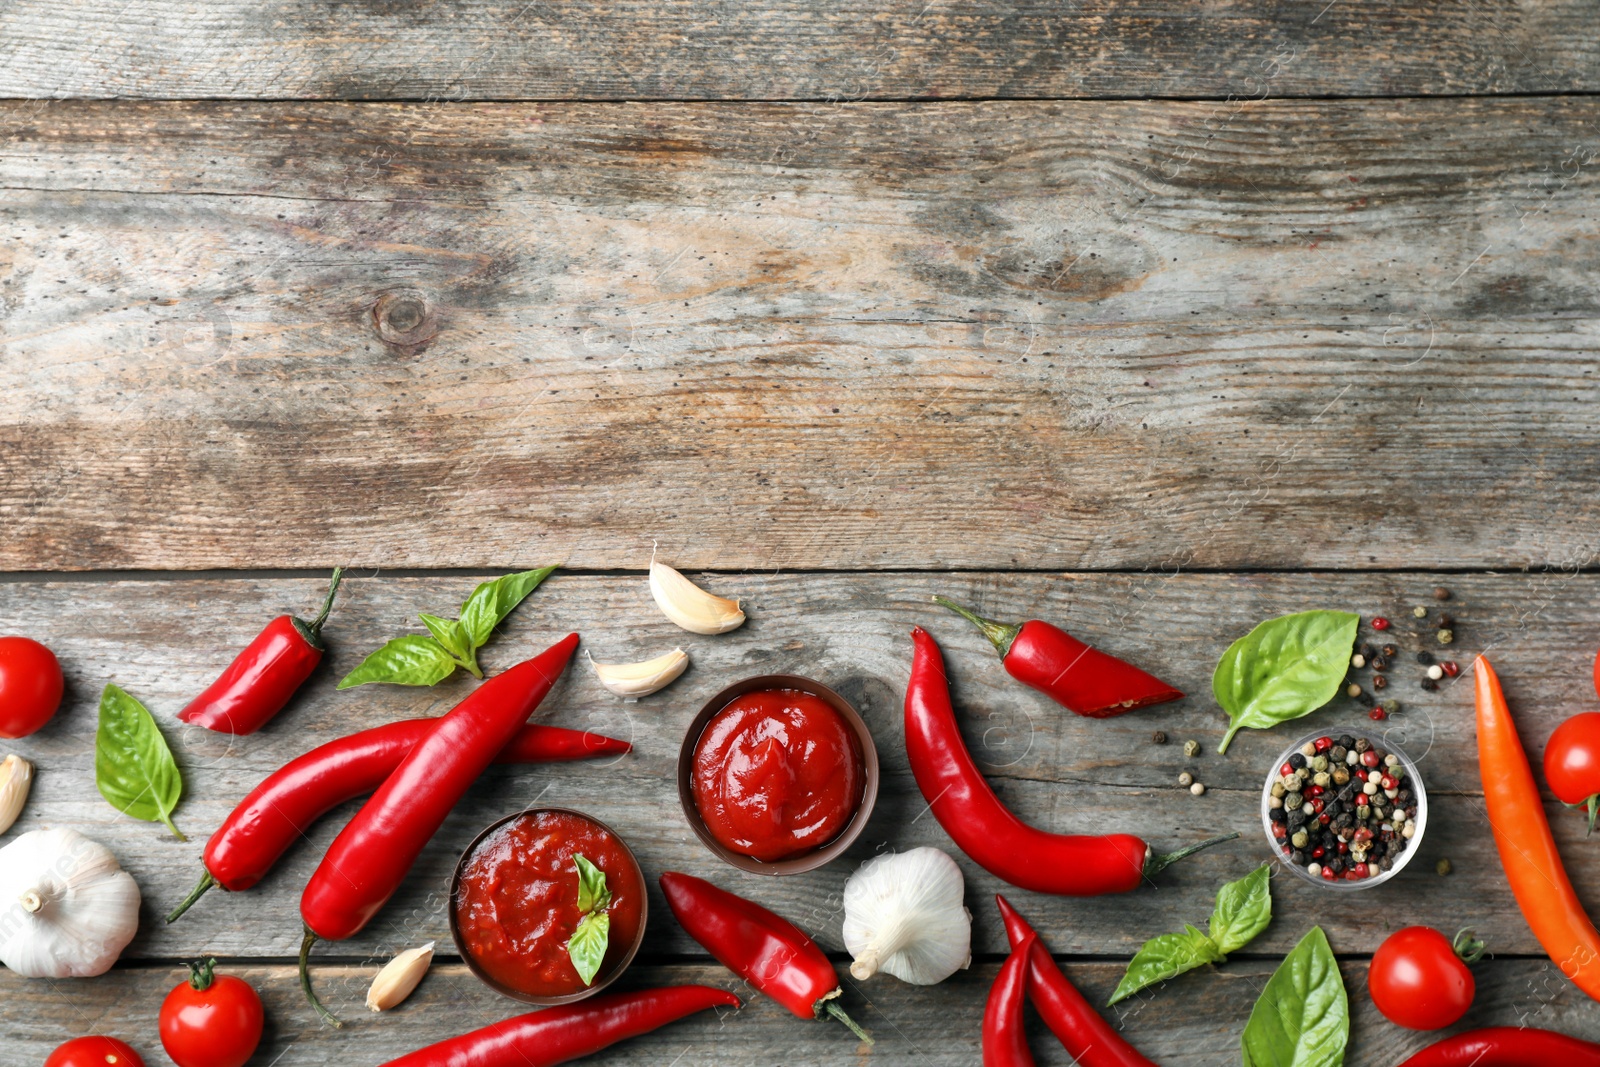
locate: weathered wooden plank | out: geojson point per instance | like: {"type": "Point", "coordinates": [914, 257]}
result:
{"type": "Point", "coordinates": [791, 49]}
{"type": "Point", "coordinates": [1001, 335]}
{"type": "Point", "coordinates": [164, 640]}
{"type": "Point", "coordinates": [1195, 1020]}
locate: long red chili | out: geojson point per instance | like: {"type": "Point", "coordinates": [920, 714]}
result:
{"type": "Point", "coordinates": [984, 828]}
{"type": "Point", "coordinates": [1005, 1041]}
{"type": "Point", "coordinates": [556, 1035]}
{"type": "Point", "coordinates": [1088, 1038]}
{"type": "Point", "coordinates": [1507, 1046]}
{"type": "Point", "coordinates": [766, 950]}
{"type": "Point", "coordinates": [1077, 676]}
{"type": "Point", "coordinates": [370, 858]}
{"type": "Point", "coordinates": [262, 678]}
{"type": "Point", "coordinates": [279, 810]}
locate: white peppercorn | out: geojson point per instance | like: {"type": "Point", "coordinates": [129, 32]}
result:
{"type": "Point", "coordinates": [1436, 672]}
{"type": "Point", "coordinates": [1185, 778]}
{"type": "Point", "coordinates": [1275, 802]}
{"type": "Point", "coordinates": [1313, 868]}
{"type": "Point", "coordinates": [1358, 660]}
{"type": "Point", "coordinates": [1197, 789]}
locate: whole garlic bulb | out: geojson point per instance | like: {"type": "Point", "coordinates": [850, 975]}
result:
{"type": "Point", "coordinates": [903, 916]}
{"type": "Point", "coordinates": [67, 909]}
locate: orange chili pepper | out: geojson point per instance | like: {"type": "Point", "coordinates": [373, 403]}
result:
{"type": "Point", "coordinates": [1527, 850]}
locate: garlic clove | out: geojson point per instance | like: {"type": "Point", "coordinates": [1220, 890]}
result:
{"type": "Point", "coordinates": [399, 977]}
{"type": "Point", "coordinates": [16, 778]}
{"type": "Point", "coordinates": [643, 678]}
{"type": "Point", "coordinates": [691, 607]}
{"type": "Point", "coordinates": [904, 916]}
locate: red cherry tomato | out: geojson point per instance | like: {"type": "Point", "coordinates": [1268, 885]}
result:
{"type": "Point", "coordinates": [1572, 761]}
{"type": "Point", "coordinates": [30, 686]}
{"type": "Point", "coordinates": [210, 1021]}
{"type": "Point", "coordinates": [94, 1052]}
{"type": "Point", "coordinates": [1418, 980]}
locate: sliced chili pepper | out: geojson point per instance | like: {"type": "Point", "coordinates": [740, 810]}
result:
{"type": "Point", "coordinates": [1005, 1040]}
{"type": "Point", "coordinates": [1077, 676]}
{"type": "Point", "coordinates": [569, 1031]}
{"type": "Point", "coordinates": [984, 828]}
{"type": "Point", "coordinates": [1507, 1046]}
{"type": "Point", "coordinates": [766, 950]}
{"type": "Point", "coordinates": [262, 678]}
{"type": "Point", "coordinates": [370, 858]}
{"type": "Point", "coordinates": [279, 810]}
{"type": "Point", "coordinates": [1088, 1039]}
{"type": "Point", "coordinates": [1527, 850]}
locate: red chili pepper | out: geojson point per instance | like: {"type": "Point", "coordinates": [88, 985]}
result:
{"type": "Point", "coordinates": [570, 1031]}
{"type": "Point", "coordinates": [1507, 1046]}
{"type": "Point", "coordinates": [1080, 678]}
{"type": "Point", "coordinates": [262, 678]}
{"type": "Point", "coordinates": [1005, 1040]}
{"type": "Point", "coordinates": [279, 810]}
{"type": "Point", "coordinates": [1088, 1038]}
{"type": "Point", "coordinates": [984, 828]}
{"type": "Point", "coordinates": [766, 950]}
{"type": "Point", "coordinates": [370, 858]}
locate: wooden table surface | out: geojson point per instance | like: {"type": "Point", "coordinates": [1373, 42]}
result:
{"type": "Point", "coordinates": [1154, 320]}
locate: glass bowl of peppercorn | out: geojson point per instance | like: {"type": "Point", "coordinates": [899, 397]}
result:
{"type": "Point", "coordinates": [1344, 808]}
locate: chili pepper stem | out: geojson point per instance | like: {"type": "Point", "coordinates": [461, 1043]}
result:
{"type": "Point", "coordinates": [831, 1007]}
{"type": "Point", "coordinates": [999, 634]}
{"type": "Point", "coordinates": [206, 882]}
{"type": "Point", "coordinates": [1158, 862]}
{"type": "Point", "coordinates": [327, 604]}
{"type": "Point", "coordinates": [305, 980]}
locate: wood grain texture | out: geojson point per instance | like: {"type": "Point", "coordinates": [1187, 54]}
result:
{"type": "Point", "coordinates": [852, 337]}
{"type": "Point", "coordinates": [1194, 1021]}
{"type": "Point", "coordinates": [163, 641]}
{"type": "Point", "coordinates": [791, 49]}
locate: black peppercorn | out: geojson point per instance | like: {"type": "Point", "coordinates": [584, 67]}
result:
{"type": "Point", "coordinates": [1296, 760]}
{"type": "Point", "coordinates": [1444, 622]}
{"type": "Point", "coordinates": [1430, 685]}
{"type": "Point", "coordinates": [1441, 593]}
{"type": "Point", "coordinates": [1389, 651]}
{"type": "Point", "coordinates": [1346, 742]}
{"type": "Point", "coordinates": [1380, 664]}
{"type": "Point", "coordinates": [1277, 815]}
{"type": "Point", "coordinates": [1297, 819]}
{"type": "Point", "coordinates": [1297, 858]}
{"type": "Point", "coordinates": [1425, 658]}
{"type": "Point", "coordinates": [1159, 737]}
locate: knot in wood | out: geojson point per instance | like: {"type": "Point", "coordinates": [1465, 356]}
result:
{"type": "Point", "coordinates": [404, 319]}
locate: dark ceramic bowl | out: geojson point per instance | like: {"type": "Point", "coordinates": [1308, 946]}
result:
{"type": "Point", "coordinates": [601, 980]}
{"type": "Point", "coordinates": [808, 861]}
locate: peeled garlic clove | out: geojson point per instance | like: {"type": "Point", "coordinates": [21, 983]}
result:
{"type": "Point", "coordinates": [641, 679]}
{"type": "Point", "coordinates": [16, 778]}
{"type": "Point", "coordinates": [691, 607]}
{"type": "Point", "coordinates": [399, 977]}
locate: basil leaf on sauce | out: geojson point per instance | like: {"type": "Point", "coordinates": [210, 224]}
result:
{"type": "Point", "coordinates": [592, 892]}
{"type": "Point", "coordinates": [587, 946]}
{"type": "Point", "coordinates": [1284, 668]}
{"type": "Point", "coordinates": [1243, 910]}
{"type": "Point", "coordinates": [133, 767]}
{"type": "Point", "coordinates": [409, 660]}
{"type": "Point", "coordinates": [1302, 1018]}
{"type": "Point", "coordinates": [1165, 957]}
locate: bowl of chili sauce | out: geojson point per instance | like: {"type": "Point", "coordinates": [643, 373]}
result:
{"type": "Point", "coordinates": [514, 904]}
{"type": "Point", "coordinates": [778, 774]}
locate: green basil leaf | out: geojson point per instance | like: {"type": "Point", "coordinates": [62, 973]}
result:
{"type": "Point", "coordinates": [447, 632]}
{"type": "Point", "coordinates": [133, 767]}
{"type": "Point", "coordinates": [1165, 957]}
{"type": "Point", "coordinates": [1283, 669]}
{"type": "Point", "coordinates": [1243, 910]}
{"type": "Point", "coordinates": [587, 946]}
{"type": "Point", "coordinates": [1302, 1018]}
{"type": "Point", "coordinates": [409, 660]}
{"type": "Point", "coordinates": [592, 892]}
{"type": "Point", "coordinates": [493, 601]}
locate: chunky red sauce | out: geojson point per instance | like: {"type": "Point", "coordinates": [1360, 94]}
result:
{"type": "Point", "coordinates": [776, 773]}
{"type": "Point", "coordinates": [517, 901]}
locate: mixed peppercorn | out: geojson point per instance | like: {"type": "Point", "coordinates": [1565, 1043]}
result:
{"type": "Point", "coordinates": [1342, 808]}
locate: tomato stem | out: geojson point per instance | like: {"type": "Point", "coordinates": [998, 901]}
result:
{"type": "Point", "coordinates": [1468, 947]}
{"type": "Point", "coordinates": [305, 980]}
{"type": "Point", "coordinates": [1594, 809]}
{"type": "Point", "coordinates": [201, 974]}
{"type": "Point", "coordinates": [206, 882]}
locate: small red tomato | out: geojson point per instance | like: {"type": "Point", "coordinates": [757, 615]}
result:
{"type": "Point", "coordinates": [1572, 762]}
{"type": "Point", "coordinates": [30, 686]}
{"type": "Point", "coordinates": [210, 1021]}
{"type": "Point", "coordinates": [1419, 980]}
{"type": "Point", "coordinates": [94, 1052]}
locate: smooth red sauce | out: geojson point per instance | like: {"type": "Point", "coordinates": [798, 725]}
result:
{"type": "Point", "coordinates": [516, 904]}
{"type": "Point", "coordinates": [777, 773]}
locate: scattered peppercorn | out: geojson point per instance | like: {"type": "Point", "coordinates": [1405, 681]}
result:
{"type": "Point", "coordinates": [1353, 690]}
{"type": "Point", "coordinates": [1391, 706]}
{"type": "Point", "coordinates": [1420, 612]}
{"type": "Point", "coordinates": [1197, 789]}
{"type": "Point", "coordinates": [1430, 685]}
{"type": "Point", "coordinates": [1425, 658]}
{"type": "Point", "coordinates": [1380, 623]}
{"type": "Point", "coordinates": [1444, 620]}
{"type": "Point", "coordinates": [1451, 668]}
{"type": "Point", "coordinates": [1368, 650]}
{"type": "Point", "coordinates": [1379, 681]}
{"type": "Point", "coordinates": [1380, 664]}
{"type": "Point", "coordinates": [1185, 778]}
{"type": "Point", "coordinates": [1358, 661]}
{"type": "Point", "coordinates": [1441, 593]}
{"type": "Point", "coordinates": [1159, 737]}
{"type": "Point", "coordinates": [1389, 652]}
{"type": "Point", "coordinates": [1377, 714]}
{"type": "Point", "coordinates": [1436, 672]}
{"type": "Point", "coordinates": [1446, 636]}
{"type": "Point", "coordinates": [1442, 867]}
{"type": "Point", "coordinates": [1191, 749]}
